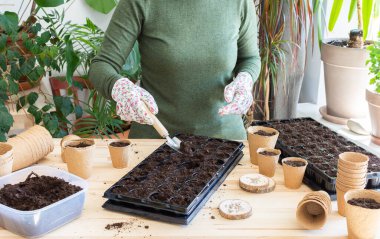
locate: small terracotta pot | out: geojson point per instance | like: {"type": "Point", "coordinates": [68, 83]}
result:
{"type": "Point", "coordinates": [293, 176]}
{"type": "Point", "coordinates": [6, 159]}
{"type": "Point", "coordinates": [258, 141]}
{"type": "Point", "coordinates": [362, 222]}
{"type": "Point", "coordinates": [267, 164]}
{"type": "Point", "coordinates": [312, 214]}
{"type": "Point", "coordinates": [66, 139]}
{"type": "Point", "coordinates": [353, 160]}
{"type": "Point", "coordinates": [120, 155]}
{"type": "Point", "coordinates": [79, 160]}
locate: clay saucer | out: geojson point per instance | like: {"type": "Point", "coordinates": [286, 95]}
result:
{"type": "Point", "coordinates": [331, 118]}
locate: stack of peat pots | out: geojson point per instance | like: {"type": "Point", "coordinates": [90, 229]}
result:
{"type": "Point", "coordinates": [313, 210]}
{"type": "Point", "coordinates": [30, 146]}
{"type": "Point", "coordinates": [352, 174]}
{"type": "Point", "coordinates": [6, 159]}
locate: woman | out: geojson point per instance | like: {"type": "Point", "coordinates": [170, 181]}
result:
{"type": "Point", "coordinates": [199, 61]}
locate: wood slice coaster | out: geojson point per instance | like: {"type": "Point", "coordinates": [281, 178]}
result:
{"type": "Point", "coordinates": [235, 209]}
{"type": "Point", "coordinates": [257, 183]}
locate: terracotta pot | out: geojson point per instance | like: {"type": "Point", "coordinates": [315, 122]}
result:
{"type": "Point", "coordinates": [6, 159]}
{"type": "Point", "coordinates": [257, 141]}
{"type": "Point", "coordinates": [293, 176]}
{"type": "Point", "coordinates": [120, 155]}
{"type": "Point", "coordinates": [345, 80]}
{"type": "Point", "coordinates": [63, 145]}
{"type": "Point", "coordinates": [373, 99]}
{"type": "Point", "coordinates": [267, 164]}
{"type": "Point", "coordinates": [362, 222]}
{"type": "Point", "coordinates": [79, 160]}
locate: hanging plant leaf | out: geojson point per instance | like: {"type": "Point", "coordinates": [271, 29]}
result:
{"type": "Point", "coordinates": [103, 6]}
{"type": "Point", "coordinates": [353, 7]}
{"type": "Point", "coordinates": [49, 3]}
{"type": "Point", "coordinates": [367, 14]}
{"type": "Point", "coordinates": [335, 12]}
{"type": "Point", "coordinates": [72, 60]}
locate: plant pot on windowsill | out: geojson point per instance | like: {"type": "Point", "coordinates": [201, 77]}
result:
{"type": "Point", "coordinates": [346, 79]}
{"type": "Point", "coordinates": [373, 99]}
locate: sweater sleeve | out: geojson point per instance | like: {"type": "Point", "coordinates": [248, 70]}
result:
{"type": "Point", "coordinates": [121, 34]}
{"type": "Point", "coordinates": [248, 51]}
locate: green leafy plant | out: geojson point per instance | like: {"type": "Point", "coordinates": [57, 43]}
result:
{"type": "Point", "coordinates": [103, 6]}
{"type": "Point", "coordinates": [374, 62]}
{"type": "Point", "coordinates": [365, 11]}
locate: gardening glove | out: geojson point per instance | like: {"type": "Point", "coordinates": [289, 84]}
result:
{"type": "Point", "coordinates": [238, 95]}
{"type": "Point", "coordinates": [129, 102]}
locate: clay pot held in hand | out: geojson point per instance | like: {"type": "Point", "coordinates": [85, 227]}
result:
{"type": "Point", "coordinates": [120, 151]}
{"type": "Point", "coordinates": [260, 137]}
{"type": "Point", "coordinates": [267, 160]}
{"type": "Point", "coordinates": [79, 155]}
{"type": "Point", "coordinates": [294, 171]}
{"type": "Point", "coordinates": [63, 145]}
{"type": "Point", "coordinates": [6, 159]}
{"type": "Point", "coordinates": [362, 222]}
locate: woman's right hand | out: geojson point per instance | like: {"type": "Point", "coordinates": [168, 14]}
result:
{"type": "Point", "coordinates": [129, 99]}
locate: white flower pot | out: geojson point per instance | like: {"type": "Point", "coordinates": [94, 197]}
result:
{"type": "Point", "coordinates": [346, 80]}
{"type": "Point", "coordinates": [373, 99]}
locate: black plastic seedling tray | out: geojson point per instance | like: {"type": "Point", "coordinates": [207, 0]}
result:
{"type": "Point", "coordinates": [168, 216]}
{"type": "Point", "coordinates": [173, 183]}
{"type": "Point", "coordinates": [320, 146]}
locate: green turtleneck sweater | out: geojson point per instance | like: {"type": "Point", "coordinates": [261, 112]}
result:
{"type": "Point", "coordinates": [190, 50]}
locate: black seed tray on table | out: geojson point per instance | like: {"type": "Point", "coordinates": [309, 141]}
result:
{"type": "Point", "coordinates": [320, 146]}
{"type": "Point", "coordinates": [167, 216]}
{"type": "Point", "coordinates": [168, 181]}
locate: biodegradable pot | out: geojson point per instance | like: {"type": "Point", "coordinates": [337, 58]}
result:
{"type": "Point", "coordinates": [63, 141]}
{"type": "Point", "coordinates": [267, 164]}
{"type": "Point", "coordinates": [362, 222]}
{"type": "Point", "coordinates": [79, 160]}
{"type": "Point", "coordinates": [258, 141]}
{"type": "Point", "coordinates": [340, 200]}
{"type": "Point", "coordinates": [120, 155]}
{"type": "Point", "coordinates": [373, 99]}
{"type": "Point", "coordinates": [30, 146]}
{"type": "Point", "coordinates": [6, 159]}
{"type": "Point", "coordinates": [293, 176]}
{"type": "Point", "coordinates": [312, 214]}
{"type": "Point", "coordinates": [346, 80]}
{"type": "Point", "coordinates": [353, 160]}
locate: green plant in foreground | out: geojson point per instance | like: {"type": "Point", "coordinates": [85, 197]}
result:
{"type": "Point", "coordinates": [374, 62]}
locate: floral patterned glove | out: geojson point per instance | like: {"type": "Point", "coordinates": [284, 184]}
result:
{"type": "Point", "coordinates": [129, 99]}
{"type": "Point", "coordinates": [238, 95]}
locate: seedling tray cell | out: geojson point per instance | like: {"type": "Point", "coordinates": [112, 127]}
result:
{"type": "Point", "coordinates": [170, 182]}
{"type": "Point", "coordinates": [320, 146]}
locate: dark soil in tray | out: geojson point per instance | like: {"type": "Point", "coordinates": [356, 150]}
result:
{"type": "Point", "coordinates": [119, 144]}
{"type": "Point", "coordinates": [173, 178]}
{"type": "Point", "coordinates": [365, 203]}
{"type": "Point", "coordinates": [264, 133]}
{"type": "Point", "coordinates": [80, 145]}
{"type": "Point", "coordinates": [318, 144]}
{"type": "Point", "coordinates": [268, 153]}
{"type": "Point", "coordinates": [36, 192]}
{"type": "Point", "coordinates": [295, 163]}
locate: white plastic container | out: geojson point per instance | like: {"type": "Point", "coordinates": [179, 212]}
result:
{"type": "Point", "coordinates": [39, 222]}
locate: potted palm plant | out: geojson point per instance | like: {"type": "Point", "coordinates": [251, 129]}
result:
{"type": "Point", "coordinates": [344, 60]}
{"type": "Point", "coordinates": [373, 94]}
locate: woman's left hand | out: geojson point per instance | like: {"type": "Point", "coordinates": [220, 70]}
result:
{"type": "Point", "coordinates": [238, 95]}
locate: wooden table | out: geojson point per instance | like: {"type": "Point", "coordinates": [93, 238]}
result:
{"type": "Point", "coordinates": [273, 213]}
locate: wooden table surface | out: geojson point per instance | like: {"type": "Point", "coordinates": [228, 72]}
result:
{"type": "Point", "coordinates": [273, 213]}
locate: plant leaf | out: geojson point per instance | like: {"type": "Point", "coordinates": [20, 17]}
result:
{"type": "Point", "coordinates": [353, 6]}
{"type": "Point", "coordinates": [32, 98]}
{"type": "Point", "coordinates": [72, 60]}
{"type": "Point", "coordinates": [335, 12]}
{"type": "Point", "coordinates": [103, 6]}
{"type": "Point", "coordinates": [49, 3]}
{"type": "Point", "coordinates": [367, 13]}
